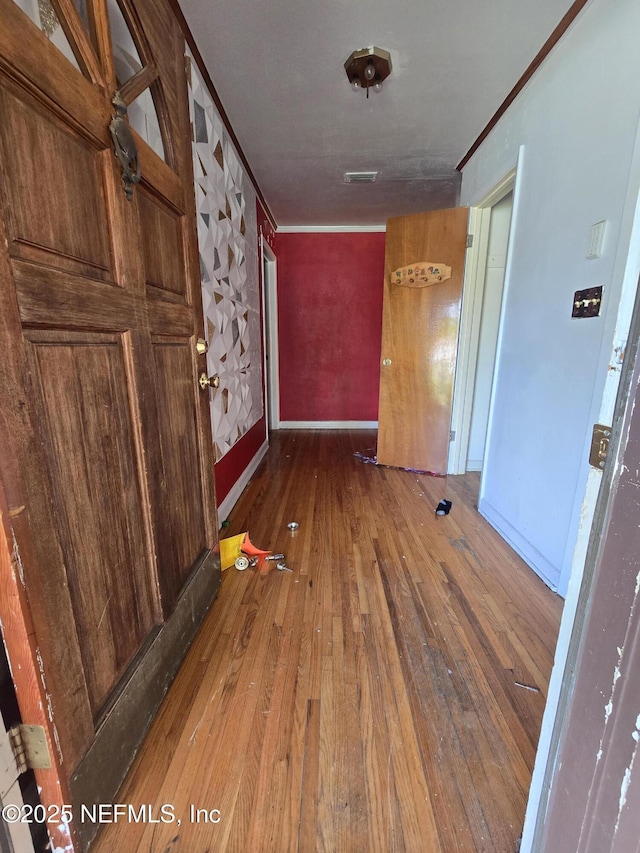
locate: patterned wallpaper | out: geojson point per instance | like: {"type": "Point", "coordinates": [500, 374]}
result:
{"type": "Point", "coordinates": [228, 245]}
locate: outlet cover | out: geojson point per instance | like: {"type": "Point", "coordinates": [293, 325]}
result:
{"type": "Point", "coordinates": [596, 240]}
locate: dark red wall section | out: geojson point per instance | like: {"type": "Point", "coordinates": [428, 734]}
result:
{"type": "Point", "coordinates": [329, 325]}
{"type": "Point", "coordinates": [233, 463]}
{"type": "Point", "coordinates": [229, 469]}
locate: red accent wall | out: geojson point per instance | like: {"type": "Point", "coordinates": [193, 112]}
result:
{"type": "Point", "coordinates": [230, 468]}
{"type": "Point", "coordinates": [329, 325]}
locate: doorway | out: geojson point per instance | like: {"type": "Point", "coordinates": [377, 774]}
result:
{"type": "Point", "coordinates": [494, 270]}
{"type": "Point", "coordinates": [490, 226]}
{"type": "Point", "coordinates": [270, 334]}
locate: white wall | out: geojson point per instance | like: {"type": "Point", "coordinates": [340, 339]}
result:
{"type": "Point", "coordinates": [577, 121]}
{"type": "Point", "coordinates": [491, 303]}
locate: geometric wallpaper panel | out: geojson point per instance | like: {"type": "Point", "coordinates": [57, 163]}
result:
{"type": "Point", "coordinates": [228, 246]}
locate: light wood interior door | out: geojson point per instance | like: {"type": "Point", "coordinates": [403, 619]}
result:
{"type": "Point", "coordinates": [419, 340]}
{"type": "Point", "coordinates": [106, 457]}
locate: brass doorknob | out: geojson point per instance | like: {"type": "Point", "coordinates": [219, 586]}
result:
{"type": "Point", "coordinates": [209, 381]}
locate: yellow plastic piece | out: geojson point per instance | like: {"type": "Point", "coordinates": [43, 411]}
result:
{"type": "Point", "coordinates": [230, 550]}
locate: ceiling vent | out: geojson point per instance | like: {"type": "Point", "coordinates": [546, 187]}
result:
{"type": "Point", "coordinates": [360, 177]}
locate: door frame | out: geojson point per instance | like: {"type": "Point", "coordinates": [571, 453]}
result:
{"type": "Point", "coordinates": [471, 316]}
{"type": "Point", "coordinates": [595, 503]}
{"type": "Point", "coordinates": [25, 662]}
{"type": "Point", "coordinates": [610, 574]}
{"type": "Point", "coordinates": [269, 272]}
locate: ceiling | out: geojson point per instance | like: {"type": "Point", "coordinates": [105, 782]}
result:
{"type": "Point", "coordinates": [278, 68]}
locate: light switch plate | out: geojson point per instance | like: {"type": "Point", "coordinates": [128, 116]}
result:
{"type": "Point", "coordinates": [586, 303]}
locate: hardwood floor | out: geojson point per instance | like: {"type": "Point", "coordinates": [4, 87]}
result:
{"type": "Point", "coordinates": [369, 700]}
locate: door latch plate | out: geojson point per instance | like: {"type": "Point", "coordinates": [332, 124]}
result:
{"type": "Point", "coordinates": [599, 445]}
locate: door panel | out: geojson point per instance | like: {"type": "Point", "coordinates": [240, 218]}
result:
{"type": "Point", "coordinates": [419, 341]}
{"type": "Point", "coordinates": [57, 192]}
{"type": "Point", "coordinates": [162, 246]}
{"type": "Point", "coordinates": [179, 442]}
{"type": "Point", "coordinates": [92, 464]}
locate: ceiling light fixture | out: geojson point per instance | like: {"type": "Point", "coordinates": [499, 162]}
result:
{"type": "Point", "coordinates": [367, 68]}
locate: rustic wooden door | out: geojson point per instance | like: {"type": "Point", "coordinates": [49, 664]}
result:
{"type": "Point", "coordinates": [106, 456]}
{"type": "Point", "coordinates": [420, 337]}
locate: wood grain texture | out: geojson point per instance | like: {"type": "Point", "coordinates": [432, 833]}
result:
{"type": "Point", "coordinates": [106, 447]}
{"type": "Point", "coordinates": [367, 701]}
{"type": "Point", "coordinates": [161, 245]}
{"type": "Point", "coordinates": [419, 341]}
{"type": "Point", "coordinates": [79, 41]}
{"type": "Point", "coordinates": [183, 524]}
{"type": "Point", "coordinates": [19, 639]}
{"type": "Point", "coordinates": [30, 59]}
{"type": "Point", "coordinates": [91, 454]}
{"type": "Point", "coordinates": [70, 220]}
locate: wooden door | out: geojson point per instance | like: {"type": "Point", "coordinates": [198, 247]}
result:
{"type": "Point", "coordinates": [420, 338]}
{"type": "Point", "coordinates": [106, 457]}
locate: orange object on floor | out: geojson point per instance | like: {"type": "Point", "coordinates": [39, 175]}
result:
{"type": "Point", "coordinates": [231, 548]}
{"type": "Point", "coordinates": [250, 549]}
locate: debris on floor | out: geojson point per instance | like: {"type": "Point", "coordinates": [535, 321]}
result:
{"type": "Point", "coordinates": [237, 546]}
{"type": "Point", "coordinates": [369, 456]}
{"type": "Point", "coordinates": [230, 550]}
{"type": "Point", "coordinates": [239, 551]}
{"type": "Point", "coordinates": [444, 507]}
{"type": "Point", "coordinates": [293, 525]}
{"type": "Point", "coordinates": [527, 687]}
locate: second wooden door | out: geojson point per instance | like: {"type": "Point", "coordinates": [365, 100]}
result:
{"type": "Point", "coordinates": [420, 338]}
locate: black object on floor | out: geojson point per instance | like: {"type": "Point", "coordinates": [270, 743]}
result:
{"type": "Point", "coordinates": [443, 507]}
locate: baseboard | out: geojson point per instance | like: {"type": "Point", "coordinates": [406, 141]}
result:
{"type": "Point", "coordinates": [529, 553]}
{"type": "Point", "coordinates": [329, 229]}
{"type": "Point", "coordinates": [328, 425]}
{"type": "Point", "coordinates": [241, 483]}
{"type": "Point", "coordinates": [474, 465]}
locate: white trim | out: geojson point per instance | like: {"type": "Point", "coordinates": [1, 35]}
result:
{"type": "Point", "coordinates": [532, 557]}
{"type": "Point", "coordinates": [269, 273]}
{"type": "Point", "coordinates": [517, 192]}
{"type": "Point", "coordinates": [471, 316]}
{"type": "Point", "coordinates": [502, 187]}
{"type": "Point", "coordinates": [329, 229]}
{"type": "Point", "coordinates": [328, 424]}
{"type": "Point", "coordinates": [241, 483]}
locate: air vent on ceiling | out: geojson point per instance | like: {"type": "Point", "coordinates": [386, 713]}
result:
{"type": "Point", "coordinates": [360, 177]}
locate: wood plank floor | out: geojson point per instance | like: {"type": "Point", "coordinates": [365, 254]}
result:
{"type": "Point", "coordinates": [369, 700]}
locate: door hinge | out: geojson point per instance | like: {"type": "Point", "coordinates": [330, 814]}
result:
{"type": "Point", "coordinates": [469, 241]}
{"type": "Point", "coordinates": [452, 435]}
{"type": "Point", "coordinates": [30, 749]}
{"type": "Point", "coordinates": [599, 445]}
